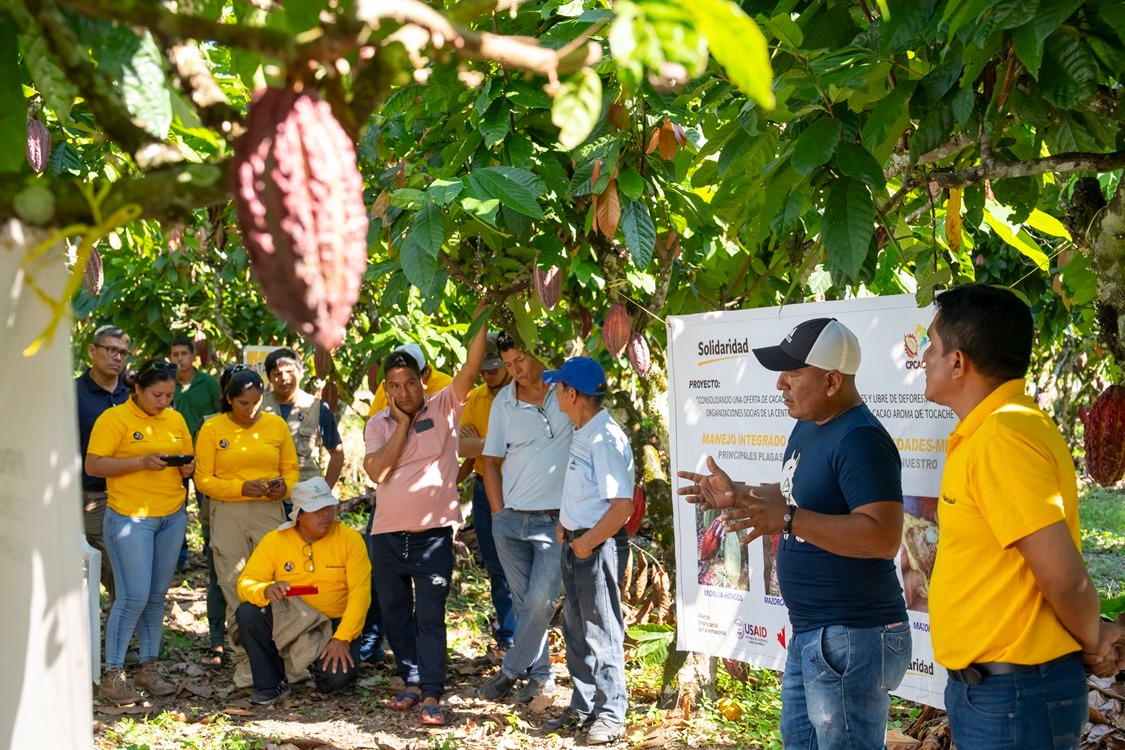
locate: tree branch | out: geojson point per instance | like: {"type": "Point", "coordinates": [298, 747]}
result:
{"type": "Point", "coordinates": [170, 193]}
{"type": "Point", "coordinates": [511, 52]}
{"type": "Point", "coordinates": [154, 17]}
{"type": "Point", "coordinates": [1069, 162]}
{"type": "Point", "coordinates": [900, 163]}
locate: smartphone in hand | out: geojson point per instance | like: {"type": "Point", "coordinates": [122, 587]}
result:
{"type": "Point", "coordinates": [180, 459]}
{"type": "Point", "coordinates": [276, 482]}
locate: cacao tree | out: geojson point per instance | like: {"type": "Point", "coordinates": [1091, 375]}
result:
{"type": "Point", "coordinates": [590, 167]}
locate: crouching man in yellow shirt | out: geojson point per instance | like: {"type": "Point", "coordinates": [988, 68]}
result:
{"type": "Point", "coordinates": [313, 553]}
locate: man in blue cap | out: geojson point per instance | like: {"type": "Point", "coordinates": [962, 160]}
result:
{"type": "Point", "coordinates": [596, 503]}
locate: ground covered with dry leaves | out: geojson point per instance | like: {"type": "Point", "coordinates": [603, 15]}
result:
{"type": "Point", "coordinates": [209, 713]}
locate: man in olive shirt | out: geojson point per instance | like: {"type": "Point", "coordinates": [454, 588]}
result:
{"type": "Point", "coordinates": [197, 393]}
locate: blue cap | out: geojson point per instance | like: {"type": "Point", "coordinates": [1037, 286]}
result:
{"type": "Point", "coordinates": [582, 374]}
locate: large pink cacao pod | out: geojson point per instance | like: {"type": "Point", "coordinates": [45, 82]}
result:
{"type": "Point", "coordinates": [587, 322]}
{"type": "Point", "coordinates": [94, 275]}
{"type": "Point", "coordinates": [1105, 437]}
{"type": "Point", "coordinates": [299, 197]}
{"type": "Point", "coordinates": [548, 286]}
{"type": "Point", "coordinates": [38, 145]}
{"type": "Point", "coordinates": [616, 329]}
{"type": "Point", "coordinates": [638, 353]}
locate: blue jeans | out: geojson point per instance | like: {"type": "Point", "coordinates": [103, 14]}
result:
{"type": "Point", "coordinates": [835, 690]}
{"type": "Point", "coordinates": [501, 592]}
{"type": "Point", "coordinates": [530, 553]}
{"type": "Point", "coordinates": [413, 574]}
{"type": "Point", "coordinates": [1042, 709]}
{"type": "Point", "coordinates": [594, 629]}
{"type": "Point", "coordinates": [143, 554]}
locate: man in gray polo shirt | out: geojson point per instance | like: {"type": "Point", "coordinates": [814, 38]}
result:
{"type": "Point", "coordinates": [530, 436]}
{"type": "Point", "coordinates": [597, 501]}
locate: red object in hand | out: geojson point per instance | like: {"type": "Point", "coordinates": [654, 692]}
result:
{"type": "Point", "coordinates": [302, 590]}
{"type": "Point", "coordinates": [633, 525]}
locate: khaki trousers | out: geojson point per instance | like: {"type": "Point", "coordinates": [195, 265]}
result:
{"type": "Point", "coordinates": [236, 529]}
{"type": "Point", "coordinates": [93, 515]}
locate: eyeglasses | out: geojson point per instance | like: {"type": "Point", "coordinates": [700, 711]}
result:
{"type": "Point", "coordinates": [113, 352]}
{"type": "Point", "coordinates": [546, 422]}
{"type": "Point", "coordinates": [307, 552]}
{"type": "Point", "coordinates": [158, 365]}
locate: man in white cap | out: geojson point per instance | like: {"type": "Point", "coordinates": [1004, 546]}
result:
{"type": "Point", "coordinates": [315, 554]}
{"type": "Point", "coordinates": [839, 511]}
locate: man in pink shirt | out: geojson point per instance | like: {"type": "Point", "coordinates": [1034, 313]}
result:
{"type": "Point", "coordinates": [412, 459]}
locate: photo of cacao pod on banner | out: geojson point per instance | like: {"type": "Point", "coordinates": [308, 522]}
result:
{"type": "Point", "coordinates": [723, 562]}
{"type": "Point", "coordinates": [919, 550]}
{"type": "Point", "coordinates": [299, 196]}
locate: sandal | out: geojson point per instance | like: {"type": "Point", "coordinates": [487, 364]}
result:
{"type": "Point", "coordinates": [431, 715]}
{"type": "Point", "coordinates": [215, 658]}
{"type": "Point", "coordinates": [404, 701]}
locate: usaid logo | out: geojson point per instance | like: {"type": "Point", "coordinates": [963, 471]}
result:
{"type": "Point", "coordinates": [750, 631]}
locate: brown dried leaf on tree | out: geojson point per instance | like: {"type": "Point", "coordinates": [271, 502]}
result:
{"type": "Point", "coordinates": [668, 144]}
{"type": "Point", "coordinates": [609, 210]}
{"type": "Point", "coordinates": [653, 141]}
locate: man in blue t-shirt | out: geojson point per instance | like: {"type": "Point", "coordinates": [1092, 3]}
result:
{"type": "Point", "coordinates": [838, 508]}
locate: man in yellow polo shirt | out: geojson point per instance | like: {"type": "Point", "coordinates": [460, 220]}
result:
{"type": "Point", "coordinates": [1013, 613]}
{"type": "Point", "coordinates": [312, 550]}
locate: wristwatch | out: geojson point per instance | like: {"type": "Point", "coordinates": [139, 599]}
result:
{"type": "Point", "coordinates": [788, 518]}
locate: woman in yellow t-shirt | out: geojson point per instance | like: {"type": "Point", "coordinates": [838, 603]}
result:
{"type": "Point", "coordinates": [143, 449]}
{"type": "Point", "coordinates": [247, 464]}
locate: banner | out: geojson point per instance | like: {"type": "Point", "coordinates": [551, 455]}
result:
{"type": "Point", "coordinates": [45, 671]}
{"type": "Point", "coordinates": [726, 405]}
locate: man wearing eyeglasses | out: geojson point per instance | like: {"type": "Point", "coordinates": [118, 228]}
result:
{"type": "Point", "coordinates": [102, 386]}
{"type": "Point", "coordinates": [530, 437]}
{"type": "Point", "coordinates": [839, 510]}
{"type": "Point", "coordinates": [326, 562]}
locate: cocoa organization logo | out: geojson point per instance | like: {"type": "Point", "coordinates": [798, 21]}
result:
{"type": "Point", "coordinates": [750, 631]}
{"type": "Point", "coordinates": [224, 444]}
{"type": "Point", "coordinates": [913, 344]}
{"type": "Point", "coordinates": [137, 436]}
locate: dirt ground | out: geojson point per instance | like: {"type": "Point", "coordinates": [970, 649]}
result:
{"type": "Point", "coordinates": [208, 711]}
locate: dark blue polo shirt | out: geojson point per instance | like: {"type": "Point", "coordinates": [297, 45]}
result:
{"type": "Point", "coordinates": [92, 401]}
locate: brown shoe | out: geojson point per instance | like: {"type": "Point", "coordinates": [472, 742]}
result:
{"type": "Point", "coordinates": [114, 687]}
{"type": "Point", "coordinates": [152, 678]}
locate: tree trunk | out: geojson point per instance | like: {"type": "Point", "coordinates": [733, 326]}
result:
{"type": "Point", "coordinates": [1107, 238]}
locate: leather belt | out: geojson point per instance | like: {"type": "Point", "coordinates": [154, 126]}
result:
{"type": "Point", "coordinates": [548, 512]}
{"type": "Point", "coordinates": [975, 674]}
{"type": "Point", "coordinates": [570, 536]}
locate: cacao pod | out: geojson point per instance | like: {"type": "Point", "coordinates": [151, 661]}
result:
{"type": "Point", "coordinates": [1105, 437]}
{"type": "Point", "coordinates": [548, 286]}
{"type": "Point", "coordinates": [616, 329]}
{"type": "Point", "coordinates": [94, 275]}
{"type": "Point", "coordinates": [587, 322]}
{"type": "Point", "coordinates": [38, 145]}
{"type": "Point", "coordinates": [330, 395]}
{"type": "Point", "coordinates": [322, 362]}
{"type": "Point", "coordinates": [633, 525]}
{"type": "Point", "coordinates": [204, 351]}
{"type": "Point", "coordinates": [711, 541]}
{"type": "Point", "coordinates": [299, 197]}
{"type": "Point", "coordinates": [638, 353]}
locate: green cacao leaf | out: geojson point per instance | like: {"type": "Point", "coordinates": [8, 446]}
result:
{"type": "Point", "coordinates": [737, 44]}
{"type": "Point", "coordinates": [848, 225]}
{"type": "Point", "coordinates": [631, 184]}
{"type": "Point", "coordinates": [640, 233]}
{"type": "Point", "coordinates": [136, 66]}
{"type": "Point", "coordinates": [857, 162]}
{"type": "Point", "coordinates": [13, 115]}
{"type": "Point", "coordinates": [488, 183]}
{"type": "Point", "coordinates": [815, 145]}
{"type": "Point", "coordinates": [577, 107]}
{"type": "Point", "coordinates": [49, 79]}
{"type": "Point", "coordinates": [496, 123]}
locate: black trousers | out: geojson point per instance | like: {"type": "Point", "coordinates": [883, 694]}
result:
{"type": "Point", "coordinates": [255, 632]}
